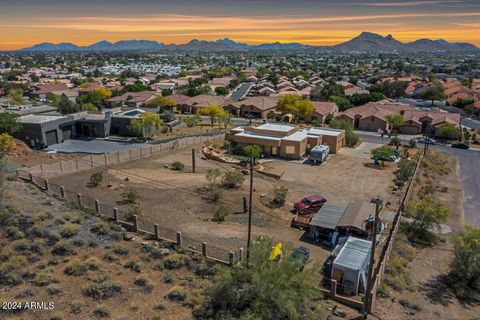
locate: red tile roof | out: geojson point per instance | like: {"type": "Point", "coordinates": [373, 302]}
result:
{"type": "Point", "coordinates": [438, 117]}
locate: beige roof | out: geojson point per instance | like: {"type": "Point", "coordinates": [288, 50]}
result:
{"type": "Point", "coordinates": [205, 100]}
{"type": "Point", "coordinates": [262, 103]}
{"type": "Point", "coordinates": [324, 108]}
{"type": "Point", "coordinates": [378, 110]}
{"type": "Point", "coordinates": [438, 117]}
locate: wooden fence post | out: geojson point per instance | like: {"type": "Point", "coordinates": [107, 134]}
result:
{"type": "Point", "coordinates": [179, 238]}
{"type": "Point", "coordinates": [62, 192]}
{"type": "Point", "coordinates": [333, 287]}
{"type": "Point", "coordinates": [231, 258]}
{"type": "Point", "coordinates": [47, 185]}
{"type": "Point", "coordinates": [157, 231]}
{"type": "Point", "coordinates": [204, 249]}
{"type": "Point", "coordinates": [240, 257]}
{"type": "Point", "coordinates": [135, 223]}
{"type": "Point", "coordinates": [115, 215]}
{"type": "Point", "coordinates": [97, 206]}
{"type": "Point", "coordinates": [79, 198]}
{"type": "Point", "coordinates": [31, 177]}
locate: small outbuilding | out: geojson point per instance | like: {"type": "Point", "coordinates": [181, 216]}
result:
{"type": "Point", "coordinates": [350, 267]}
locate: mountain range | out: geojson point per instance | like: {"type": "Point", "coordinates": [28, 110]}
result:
{"type": "Point", "coordinates": [366, 42]}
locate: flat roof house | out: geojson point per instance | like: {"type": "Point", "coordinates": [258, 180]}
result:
{"type": "Point", "coordinates": [286, 141]}
{"type": "Point", "coordinates": [40, 131]}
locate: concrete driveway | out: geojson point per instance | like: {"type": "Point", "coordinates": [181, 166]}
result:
{"type": "Point", "coordinates": [96, 146]}
{"type": "Point", "coordinates": [364, 150]}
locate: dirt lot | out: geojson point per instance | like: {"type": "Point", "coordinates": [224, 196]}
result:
{"type": "Point", "coordinates": [175, 200]}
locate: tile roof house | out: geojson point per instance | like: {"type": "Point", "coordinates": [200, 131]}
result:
{"type": "Point", "coordinates": [458, 96]}
{"type": "Point", "coordinates": [255, 107]}
{"type": "Point", "coordinates": [205, 100]}
{"type": "Point", "coordinates": [418, 121]}
{"type": "Point", "coordinates": [132, 99]}
{"type": "Point", "coordinates": [372, 116]}
{"type": "Point", "coordinates": [321, 109]}
{"type": "Point", "coordinates": [44, 89]}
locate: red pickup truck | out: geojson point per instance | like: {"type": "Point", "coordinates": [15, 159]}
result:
{"type": "Point", "coordinates": [310, 204]}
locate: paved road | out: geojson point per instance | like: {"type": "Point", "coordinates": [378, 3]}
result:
{"type": "Point", "coordinates": [470, 123]}
{"type": "Point", "coordinates": [469, 162]}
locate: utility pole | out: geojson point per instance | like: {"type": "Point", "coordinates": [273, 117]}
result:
{"type": "Point", "coordinates": [249, 236]}
{"type": "Point", "coordinates": [367, 301]}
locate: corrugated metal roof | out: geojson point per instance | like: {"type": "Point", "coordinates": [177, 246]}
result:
{"type": "Point", "coordinates": [328, 216]}
{"type": "Point", "coordinates": [353, 254]}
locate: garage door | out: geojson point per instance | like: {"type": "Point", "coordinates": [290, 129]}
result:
{"type": "Point", "coordinates": [51, 137]}
{"type": "Point", "coordinates": [67, 133]}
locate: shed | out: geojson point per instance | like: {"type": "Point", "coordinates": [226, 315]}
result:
{"type": "Point", "coordinates": [325, 221]}
{"type": "Point", "coordinates": [350, 267]}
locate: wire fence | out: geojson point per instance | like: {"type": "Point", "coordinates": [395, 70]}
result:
{"type": "Point", "coordinates": [132, 222]}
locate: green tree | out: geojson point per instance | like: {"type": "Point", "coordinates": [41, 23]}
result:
{"type": "Point", "coordinates": [213, 112]}
{"type": "Point", "coordinates": [449, 131]}
{"type": "Point", "coordinates": [89, 107]}
{"type": "Point", "coordinates": [147, 125]}
{"type": "Point", "coordinates": [351, 138]}
{"type": "Point", "coordinates": [212, 176]}
{"type": "Point", "coordinates": [225, 118]}
{"type": "Point", "coordinates": [466, 264]}
{"type": "Point", "coordinates": [9, 122]}
{"type": "Point", "coordinates": [296, 105]}
{"type": "Point", "coordinates": [161, 102]}
{"type": "Point", "coordinates": [167, 92]}
{"type": "Point", "coordinates": [427, 213]}
{"type": "Point", "coordinates": [15, 97]}
{"type": "Point", "coordinates": [433, 92]}
{"type": "Point", "coordinates": [395, 121]}
{"type": "Point", "coordinates": [342, 102]}
{"type": "Point", "coordinates": [383, 153]}
{"type": "Point", "coordinates": [252, 151]}
{"type": "Point", "coordinates": [265, 289]}
{"type": "Point", "coordinates": [233, 179]}
{"type": "Point", "coordinates": [330, 90]}
{"type": "Point", "coordinates": [65, 105]}
{"type": "Point", "coordinates": [7, 144]}
{"type": "Point", "coordinates": [222, 91]}
{"type": "Point", "coordinates": [192, 121]}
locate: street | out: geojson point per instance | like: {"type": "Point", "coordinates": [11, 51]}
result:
{"type": "Point", "coordinates": [469, 162]}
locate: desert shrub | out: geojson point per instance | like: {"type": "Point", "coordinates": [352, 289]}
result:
{"type": "Point", "coordinates": [70, 229]}
{"type": "Point", "coordinates": [77, 306]}
{"type": "Point", "coordinates": [57, 316]}
{"type": "Point", "coordinates": [200, 266]}
{"type": "Point", "coordinates": [100, 228]}
{"type": "Point", "coordinates": [175, 261]}
{"type": "Point", "coordinates": [78, 242]}
{"type": "Point", "coordinates": [43, 215]}
{"type": "Point", "coordinates": [177, 166]}
{"type": "Point", "coordinates": [404, 171]}
{"type": "Point", "coordinates": [44, 277]}
{"type": "Point", "coordinates": [130, 195]}
{"type": "Point", "coordinates": [11, 271]}
{"type": "Point", "coordinates": [214, 195]}
{"type": "Point", "coordinates": [28, 292]}
{"type": "Point", "coordinates": [134, 265]}
{"type": "Point", "coordinates": [63, 248]}
{"type": "Point", "coordinates": [102, 288]}
{"type": "Point", "coordinates": [177, 294]}
{"type": "Point", "coordinates": [54, 290]}
{"type": "Point", "coordinates": [52, 237]}
{"type": "Point", "coordinates": [6, 253]}
{"type": "Point", "coordinates": [220, 214]}
{"type": "Point", "coordinates": [159, 306]}
{"type": "Point", "coordinates": [95, 180]}
{"type": "Point", "coordinates": [168, 277]}
{"type": "Point", "coordinates": [110, 257]}
{"type": "Point", "coordinates": [233, 179]}
{"type": "Point", "coordinates": [280, 195]}
{"type": "Point", "coordinates": [13, 233]}
{"type": "Point", "coordinates": [144, 282]}
{"type": "Point", "coordinates": [101, 312]}
{"type": "Point", "coordinates": [123, 251]}
{"type": "Point", "coordinates": [133, 210]}
{"type": "Point", "coordinates": [76, 268]}
{"type": "Point", "coordinates": [22, 245]}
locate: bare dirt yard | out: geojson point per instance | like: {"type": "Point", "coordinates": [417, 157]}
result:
{"type": "Point", "coordinates": [176, 200]}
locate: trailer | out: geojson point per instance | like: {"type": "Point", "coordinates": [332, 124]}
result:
{"type": "Point", "coordinates": [319, 153]}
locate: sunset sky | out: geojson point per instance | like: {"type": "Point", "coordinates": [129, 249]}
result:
{"type": "Point", "coordinates": [315, 22]}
